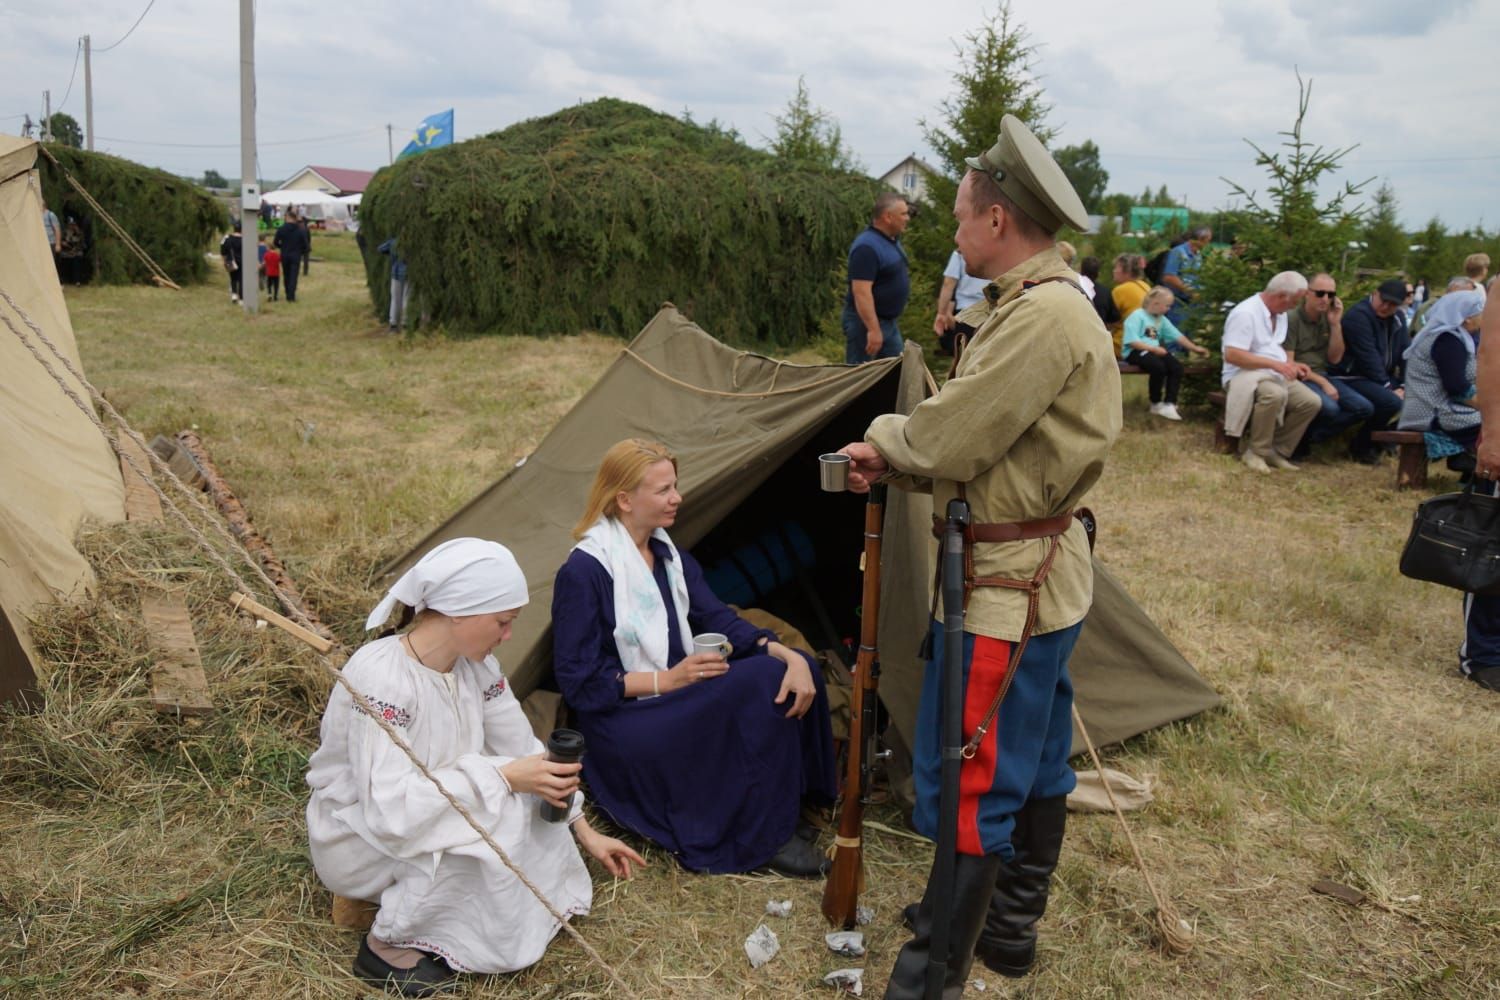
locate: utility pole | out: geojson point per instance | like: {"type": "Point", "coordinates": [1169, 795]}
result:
{"type": "Point", "coordinates": [249, 189]}
{"type": "Point", "coordinates": [390, 148]}
{"type": "Point", "coordinates": [88, 93]}
{"type": "Point", "coordinates": [47, 116]}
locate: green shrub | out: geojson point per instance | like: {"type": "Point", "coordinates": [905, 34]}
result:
{"type": "Point", "coordinates": [171, 218]}
{"type": "Point", "coordinates": [590, 218]}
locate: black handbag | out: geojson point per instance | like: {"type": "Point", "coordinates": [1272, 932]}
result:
{"type": "Point", "coordinates": [1455, 541]}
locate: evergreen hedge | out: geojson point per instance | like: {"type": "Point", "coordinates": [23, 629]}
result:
{"type": "Point", "coordinates": [591, 217]}
{"type": "Point", "coordinates": [172, 219]}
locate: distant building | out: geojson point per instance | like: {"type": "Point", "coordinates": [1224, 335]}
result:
{"type": "Point", "coordinates": [909, 177]}
{"type": "Point", "coordinates": [336, 181]}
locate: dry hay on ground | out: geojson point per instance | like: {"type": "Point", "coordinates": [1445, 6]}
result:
{"type": "Point", "coordinates": [143, 856]}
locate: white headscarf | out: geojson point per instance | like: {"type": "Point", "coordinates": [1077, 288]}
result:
{"type": "Point", "coordinates": [465, 576]}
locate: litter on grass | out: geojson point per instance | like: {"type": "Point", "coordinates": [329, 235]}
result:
{"type": "Point", "coordinates": [850, 943]}
{"type": "Point", "coordinates": [761, 946]}
{"type": "Point", "coordinates": [847, 981]}
{"type": "Point", "coordinates": [779, 908]}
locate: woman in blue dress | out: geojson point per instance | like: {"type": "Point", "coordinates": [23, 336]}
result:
{"type": "Point", "coordinates": [709, 757]}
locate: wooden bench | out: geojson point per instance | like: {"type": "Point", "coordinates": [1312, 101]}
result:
{"type": "Point", "coordinates": [1199, 369]}
{"type": "Point", "coordinates": [1223, 443]}
{"type": "Point", "coordinates": [1411, 457]}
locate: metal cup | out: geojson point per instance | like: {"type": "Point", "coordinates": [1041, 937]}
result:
{"type": "Point", "coordinates": [833, 472]}
{"type": "Point", "coordinates": [713, 642]}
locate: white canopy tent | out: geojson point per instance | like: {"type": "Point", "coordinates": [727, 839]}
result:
{"type": "Point", "coordinates": [314, 204]}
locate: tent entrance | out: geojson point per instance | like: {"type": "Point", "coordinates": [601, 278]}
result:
{"type": "Point", "coordinates": [793, 550]}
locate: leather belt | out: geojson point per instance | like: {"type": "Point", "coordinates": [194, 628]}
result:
{"type": "Point", "coordinates": [1016, 531]}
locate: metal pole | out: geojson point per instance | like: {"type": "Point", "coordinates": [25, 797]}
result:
{"type": "Point", "coordinates": [88, 92]}
{"type": "Point", "coordinates": [390, 147]}
{"type": "Point", "coordinates": [47, 116]}
{"type": "Point", "coordinates": [249, 189]}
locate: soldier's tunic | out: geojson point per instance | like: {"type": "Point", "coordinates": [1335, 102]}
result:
{"type": "Point", "coordinates": [1025, 423]}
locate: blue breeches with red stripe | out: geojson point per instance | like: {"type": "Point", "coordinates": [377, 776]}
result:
{"type": "Point", "coordinates": [1025, 753]}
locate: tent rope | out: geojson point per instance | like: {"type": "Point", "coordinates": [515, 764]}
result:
{"type": "Point", "coordinates": [793, 390]}
{"type": "Point", "coordinates": [1175, 935]}
{"type": "Point", "coordinates": [359, 699]}
{"type": "Point", "coordinates": [157, 275]}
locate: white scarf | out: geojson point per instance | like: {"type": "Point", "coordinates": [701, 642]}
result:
{"type": "Point", "coordinates": [641, 632]}
{"type": "Point", "coordinates": [462, 576]}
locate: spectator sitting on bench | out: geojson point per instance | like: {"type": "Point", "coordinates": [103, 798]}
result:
{"type": "Point", "coordinates": [1264, 388]}
{"type": "Point", "coordinates": [1147, 337]}
{"type": "Point", "coordinates": [1457, 283]}
{"type": "Point", "coordinates": [1375, 343]}
{"type": "Point", "coordinates": [1314, 337]}
{"type": "Point", "coordinates": [1440, 371]}
{"type": "Point", "coordinates": [1129, 291]}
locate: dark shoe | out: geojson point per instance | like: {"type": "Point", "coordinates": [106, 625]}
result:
{"type": "Point", "coordinates": [1008, 943]}
{"type": "Point", "coordinates": [798, 858]}
{"type": "Point", "coordinates": [1486, 677]}
{"type": "Point", "coordinates": [1462, 462]}
{"type": "Point", "coordinates": [973, 884]}
{"type": "Point", "coordinates": [428, 977]}
{"type": "Point", "coordinates": [1365, 456]}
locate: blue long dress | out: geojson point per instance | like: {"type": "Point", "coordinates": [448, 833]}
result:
{"type": "Point", "coordinates": [713, 772]}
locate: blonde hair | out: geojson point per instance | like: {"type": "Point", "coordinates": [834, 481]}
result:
{"type": "Point", "coordinates": [1476, 264]}
{"type": "Point", "coordinates": [1159, 292]}
{"type": "Point", "coordinates": [621, 470]}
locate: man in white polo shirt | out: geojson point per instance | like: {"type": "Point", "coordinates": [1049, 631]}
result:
{"type": "Point", "coordinates": [1265, 390]}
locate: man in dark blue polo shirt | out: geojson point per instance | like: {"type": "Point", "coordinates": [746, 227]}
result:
{"type": "Point", "coordinates": [879, 284]}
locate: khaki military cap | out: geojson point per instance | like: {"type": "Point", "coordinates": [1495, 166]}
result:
{"type": "Point", "coordinates": [1031, 178]}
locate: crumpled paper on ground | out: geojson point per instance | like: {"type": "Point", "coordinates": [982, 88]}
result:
{"type": "Point", "coordinates": [1090, 796]}
{"type": "Point", "coordinates": [848, 943]}
{"type": "Point", "coordinates": [863, 915]}
{"type": "Point", "coordinates": [779, 908]}
{"type": "Point", "coordinates": [761, 946]}
{"type": "Point", "coordinates": [847, 981]}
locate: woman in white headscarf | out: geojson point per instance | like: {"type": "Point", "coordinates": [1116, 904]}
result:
{"type": "Point", "coordinates": [1440, 375]}
{"type": "Point", "coordinates": [379, 830]}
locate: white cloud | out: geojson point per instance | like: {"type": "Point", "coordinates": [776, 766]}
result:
{"type": "Point", "coordinates": [1167, 90]}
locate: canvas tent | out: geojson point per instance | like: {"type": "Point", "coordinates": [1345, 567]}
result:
{"type": "Point", "coordinates": [314, 204]}
{"type": "Point", "coordinates": [58, 469]}
{"type": "Point", "coordinates": [747, 431]}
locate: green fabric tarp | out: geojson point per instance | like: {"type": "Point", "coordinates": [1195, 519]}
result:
{"type": "Point", "coordinates": [747, 431]}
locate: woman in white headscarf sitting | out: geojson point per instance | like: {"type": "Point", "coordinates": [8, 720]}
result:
{"type": "Point", "coordinates": [711, 758]}
{"type": "Point", "coordinates": [1440, 370]}
{"type": "Point", "coordinates": [379, 830]}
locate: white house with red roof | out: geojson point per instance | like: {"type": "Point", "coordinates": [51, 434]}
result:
{"type": "Point", "coordinates": [336, 181]}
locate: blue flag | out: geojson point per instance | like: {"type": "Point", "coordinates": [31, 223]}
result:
{"type": "Point", "coordinates": [435, 130]}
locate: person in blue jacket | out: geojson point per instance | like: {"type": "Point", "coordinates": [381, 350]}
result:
{"type": "Point", "coordinates": [1375, 344]}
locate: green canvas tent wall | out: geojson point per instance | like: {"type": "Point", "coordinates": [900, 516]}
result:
{"type": "Point", "coordinates": [58, 469]}
{"type": "Point", "coordinates": [747, 431]}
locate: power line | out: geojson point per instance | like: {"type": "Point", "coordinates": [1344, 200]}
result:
{"type": "Point", "coordinates": [235, 145]}
{"type": "Point", "coordinates": [137, 24]}
{"type": "Point", "coordinates": [77, 54]}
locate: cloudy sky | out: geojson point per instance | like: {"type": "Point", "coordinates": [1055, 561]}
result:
{"type": "Point", "coordinates": [1169, 89]}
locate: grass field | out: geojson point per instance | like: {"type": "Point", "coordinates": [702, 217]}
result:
{"type": "Point", "coordinates": [140, 856]}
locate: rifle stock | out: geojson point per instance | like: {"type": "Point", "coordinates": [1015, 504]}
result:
{"type": "Point", "coordinates": [846, 876]}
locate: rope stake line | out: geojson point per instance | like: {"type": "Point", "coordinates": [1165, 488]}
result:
{"type": "Point", "coordinates": [325, 662]}
{"type": "Point", "coordinates": [1175, 937]}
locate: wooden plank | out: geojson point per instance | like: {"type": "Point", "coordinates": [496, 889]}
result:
{"type": "Point", "coordinates": [141, 501]}
{"type": "Point", "coordinates": [177, 683]}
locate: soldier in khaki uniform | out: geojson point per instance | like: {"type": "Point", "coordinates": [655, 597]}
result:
{"type": "Point", "coordinates": [1021, 431]}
